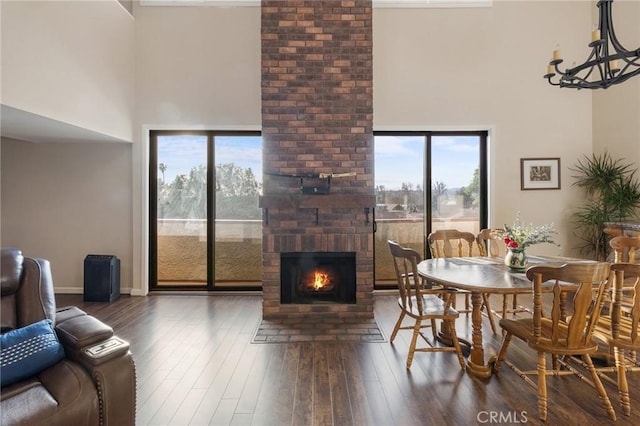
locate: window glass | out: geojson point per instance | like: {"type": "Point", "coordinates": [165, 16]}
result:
{"type": "Point", "coordinates": [425, 181]}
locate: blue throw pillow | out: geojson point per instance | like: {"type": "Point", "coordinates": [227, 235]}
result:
{"type": "Point", "coordinates": [27, 351]}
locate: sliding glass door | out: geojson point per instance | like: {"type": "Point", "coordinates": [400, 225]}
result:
{"type": "Point", "coordinates": [181, 210]}
{"type": "Point", "coordinates": [400, 197]}
{"type": "Point", "coordinates": [425, 181]}
{"type": "Point", "coordinates": [205, 224]}
{"type": "Point", "coordinates": [238, 219]}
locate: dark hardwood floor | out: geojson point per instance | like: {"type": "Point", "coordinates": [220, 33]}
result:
{"type": "Point", "coordinates": [196, 365]}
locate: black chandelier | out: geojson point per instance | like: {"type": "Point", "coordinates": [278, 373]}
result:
{"type": "Point", "coordinates": [609, 63]}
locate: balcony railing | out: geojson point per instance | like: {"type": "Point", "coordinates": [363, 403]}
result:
{"type": "Point", "coordinates": [182, 249]}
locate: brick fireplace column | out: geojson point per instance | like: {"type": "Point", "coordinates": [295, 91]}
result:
{"type": "Point", "coordinates": [317, 117]}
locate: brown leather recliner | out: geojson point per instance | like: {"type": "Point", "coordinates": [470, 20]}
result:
{"type": "Point", "coordinates": [93, 384]}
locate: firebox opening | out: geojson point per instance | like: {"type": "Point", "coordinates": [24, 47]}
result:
{"type": "Point", "coordinates": [318, 277]}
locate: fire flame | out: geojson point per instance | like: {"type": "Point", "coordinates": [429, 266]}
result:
{"type": "Point", "coordinates": [320, 280]}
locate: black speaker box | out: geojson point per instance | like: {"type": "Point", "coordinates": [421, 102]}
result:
{"type": "Point", "coordinates": [101, 278]}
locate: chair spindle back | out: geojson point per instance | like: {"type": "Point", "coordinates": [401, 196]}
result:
{"type": "Point", "coordinates": [589, 281]}
{"type": "Point", "coordinates": [405, 262]}
{"type": "Point", "coordinates": [451, 243]}
{"type": "Point", "coordinates": [625, 249]}
{"type": "Point", "coordinates": [490, 244]}
{"type": "Point", "coordinates": [626, 292]}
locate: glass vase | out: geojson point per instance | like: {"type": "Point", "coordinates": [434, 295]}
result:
{"type": "Point", "coordinates": [516, 259]}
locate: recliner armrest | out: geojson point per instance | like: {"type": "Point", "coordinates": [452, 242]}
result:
{"type": "Point", "coordinates": [80, 331]}
{"type": "Point", "coordinates": [92, 344]}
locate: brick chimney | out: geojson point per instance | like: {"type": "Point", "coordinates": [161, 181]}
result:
{"type": "Point", "coordinates": [317, 118]}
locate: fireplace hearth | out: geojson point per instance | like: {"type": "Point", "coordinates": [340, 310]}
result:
{"type": "Point", "coordinates": [318, 277]}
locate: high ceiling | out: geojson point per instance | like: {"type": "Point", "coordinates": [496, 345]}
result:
{"type": "Point", "coordinates": [23, 125]}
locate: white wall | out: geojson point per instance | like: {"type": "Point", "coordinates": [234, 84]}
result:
{"type": "Point", "coordinates": [62, 201]}
{"type": "Point", "coordinates": [198, 66]}
{"type": "Point", "coordinates": [71, 61]}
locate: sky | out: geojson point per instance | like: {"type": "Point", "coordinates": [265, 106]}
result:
{"type": "Point", "coordinates": [182, 153]}
{"type": "Point", "coordinates": [398, 159]}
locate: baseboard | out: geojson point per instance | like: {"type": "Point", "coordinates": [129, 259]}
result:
{"type": "Point", "coordinates": [80, 290]}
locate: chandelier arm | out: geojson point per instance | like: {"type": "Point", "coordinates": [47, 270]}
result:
{"type": "Point", "coordinates": [631, 58]}
{"type": "Point", "coordinates": [572, 79]}
{"type": "Point", "coordinates": [628, 67]}
{"type": "Point", "coordinates": [620, 77]}
{"type": "Point", "coordinates": [583, 85]}
{"type": "Point", "coordinates": [602, 69]}
{"type": "Point", "coordinates": [549, 77]}
{"type": "Point", "coordinates": [587, 65]}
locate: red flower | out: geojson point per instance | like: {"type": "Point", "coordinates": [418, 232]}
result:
{"type": "Point", "coordinates": [510, 243]}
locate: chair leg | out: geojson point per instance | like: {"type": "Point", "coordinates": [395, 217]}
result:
{"type": "Point", "coordinates": [598, 384]}
{"type": "Point", "coordinates": [412, 346]}
{"type": "Point", "coordinates": [623, 386]}
{"type": "Point", "coordinates": [487, 307]}
{"type": "Point", "coordinates": [397, 327]}
{"type": "Point", "coordinates": [498, 359]}
{"type": "Point", "coordinates": [505, 308]}
{"type": "Point", "coordinates": [456, 343]}
{"type": "Point", "coordinates": [542, 386]}
{"type": "Point", "coordinates": [434, 329]}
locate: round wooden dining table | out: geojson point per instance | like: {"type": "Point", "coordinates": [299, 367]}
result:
{"type": "Point", "coordinates": [480, 275]}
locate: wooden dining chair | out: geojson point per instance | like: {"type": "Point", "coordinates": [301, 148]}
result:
{"type": "Point", "coordinates": [556, 334]}
{"type": "Point", "coordinates": [455, 243]}
{"type": "Point", "coordinates": [423, 305]}
{"type": "Point", "coordinates": [625, 249]}
{"type": "Point", "coordinates": [491, 245]}
{"type": "Point", "coordinates": [619, 328]}
{"type": "Point", "coordinates": [451, 243]}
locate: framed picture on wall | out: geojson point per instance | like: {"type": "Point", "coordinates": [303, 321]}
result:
{"type": "Point", "coordinates": [539, 173]}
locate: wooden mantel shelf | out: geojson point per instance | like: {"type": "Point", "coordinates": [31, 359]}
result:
{"type": "Point", "coordinates": [304, 201]}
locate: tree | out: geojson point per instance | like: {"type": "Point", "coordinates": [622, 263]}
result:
{"type": "Point", "coordinates": [236, 193]}
{"type": "Point", "coordinates": [380, 194]}
{"type": "Point", "coordinates": [163, 168]}
{"type": "Point", "coordinates": [471, 193]}
{"type": "Point", "coordinates": [186, 197]}
{"type": "Point", "coordinates": [438, 189]}
{"type": "Point", "coordinates": [232, 180]}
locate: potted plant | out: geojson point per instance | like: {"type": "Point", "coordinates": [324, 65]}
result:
{"type": "Point", "coordinates": [612, 195]}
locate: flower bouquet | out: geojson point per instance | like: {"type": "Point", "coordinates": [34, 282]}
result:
{"type": "Point", "coordinates": [519, 236]}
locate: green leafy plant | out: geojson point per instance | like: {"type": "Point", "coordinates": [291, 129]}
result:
{"type": "Point", "coordinates": [612, 194]}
